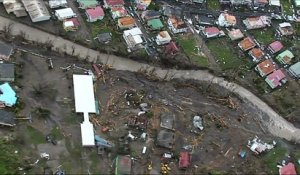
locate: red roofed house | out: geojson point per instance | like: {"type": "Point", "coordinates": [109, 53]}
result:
{"type": "Point", "coordinates": [288, 169]}
{"type": "Point", "coordinates": [172, 48]}
{"type": "Point", "coordinates": [246, 44]}
{"type": "Point", "coordinates": [184, 160]}
{"type": "Point", "coordinates": [71, 24]}
{"type": "Point", "coordinates": [275, 47]}
{"type": "Point", "coordinates": [113, 3]}
{"type": "Point", "coordinates": [211, 32]}
{"type": "Point", "coordinates": [257, 54]}
{"type": "Point", "coordinates": [277, 78]}
{"type": "Point", "coordinates": [265, 68]}
{"type": "Point", "coordinates": [94, 14]}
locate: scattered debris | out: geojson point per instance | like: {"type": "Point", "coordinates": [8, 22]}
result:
{"type": "Point", "coordinates": [133, 97]}
{"type": "Point", "coordinates": [258, 146]}
{"type": "Point", "coordinates": [45, 156]}
{"type": "Point", "coordinates": [131, 136]}
{"type": "Point", "coordinates": [138, 122]}
{"type": "Point", "coordinates": [227, 101]}
{"type": "Point", "coordinates": [242, 153]}
{"type": "Point", "coordinates": [198, 123]}
{"type": "Point", "coordinates": [164, 168]}
{"type": "Point", "coordinates": [50, 139]}
{"type": "Point", "coordinates": [100, 142]}
{"type": "Point", "coordinates": [188, 147]}
{"type": "Point", "coordinates": [144, 150]}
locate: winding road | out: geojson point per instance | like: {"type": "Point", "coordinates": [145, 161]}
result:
{"type": "Point", "coordinates": [275, 124]}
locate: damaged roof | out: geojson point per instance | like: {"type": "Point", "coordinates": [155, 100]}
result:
{"type": "Point", "coordinates": [123, 165]}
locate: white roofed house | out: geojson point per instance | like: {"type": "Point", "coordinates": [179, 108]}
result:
{"type": "Point", "coordinates": [163, 38]}
{"type": "Point", "coordinates": [57, 3]}
{"type": "Point", "coordinates": [257, 22]}
{"type": "Point", "coordinates": [133, 39]}
{"type": "Point", "coordinates": [285, 29]}
{"type": "Point", "coordinates": [14, 6]}
{"type": "Point", "coordinates": [37, 10]}
{"type": "Point", "coordinates": [85, 103]}
{"type": "Point", "coordinates": [65, 13]}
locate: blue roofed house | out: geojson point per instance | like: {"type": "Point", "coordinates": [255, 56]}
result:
{"type": "Point", "coordinates": [7, 95]}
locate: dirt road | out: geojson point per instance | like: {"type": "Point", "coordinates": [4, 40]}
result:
{"type": "Point", "coordinates": [274, 122]}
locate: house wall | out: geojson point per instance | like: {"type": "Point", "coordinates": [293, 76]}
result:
{"type": "Point", "coordinates": [40, 18]}
{"type": "Point", "coordinates": [7, 79]}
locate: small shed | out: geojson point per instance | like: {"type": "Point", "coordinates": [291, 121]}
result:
{"type": "Point", "coordinates": [7, 72]}
{"type": "Point", "coordinates": [184, 160]}
{"type": "Point", "coordinates": [5, 51]}
{"type": "Point", "coordinates": [167, 121]}
{"type": "Point", "coordinates": [7, 118]}
{"type": "Point", "coordinates": [104, 37]}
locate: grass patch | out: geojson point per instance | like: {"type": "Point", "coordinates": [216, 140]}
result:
{"type": "Point", "coordinates": [213, 4]}
{"type": "Point", "coordinates": [35, 135]}
{"type": "Point", "coordinates": [260, 85]}
{"type": "Point", "coordinates": [225, 55]}
{"type": "Point", "coordinates": [188, 44]}
{"type": "Point", "coordinates": [272, 157]}
{"type": "Point", "coordinates": [9, 161]}
{"type": "Point", "coordinates": [287, 7]}
{"type": "Point", "coordinates": [264, 37]}
{"type": "Point", "coordinates": [296, 156]}
{"type": "Point", "coordinates": [56, 132]}
{"type": "Point", "coordinates": [99, 27]}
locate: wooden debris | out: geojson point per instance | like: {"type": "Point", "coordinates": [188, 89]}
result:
{"type": "Point", "coordinates": [227, 151]}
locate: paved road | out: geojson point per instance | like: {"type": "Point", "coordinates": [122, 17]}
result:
{"type": "Point", "coordinates": [275, 124]}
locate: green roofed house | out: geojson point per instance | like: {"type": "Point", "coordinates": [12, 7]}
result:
{"type": "Point", "coordinates": [285, 57]}
{"type": "Point", "coordinates": [84, 4]}
{"type": "Point", "coordinates": [155, 24]}
{"type": "Point", "coordinates": [123, 165]}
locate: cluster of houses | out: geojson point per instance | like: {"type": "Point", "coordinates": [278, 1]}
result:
{"type": "Point", "coordinates": [8, 97]}
{"type": "Point", "coordinates": [271, 60]}
{"type": "Point", "coordinates": [7, 74]}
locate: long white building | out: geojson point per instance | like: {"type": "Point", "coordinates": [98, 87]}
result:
{"type": "Point", "coordinates": [85, 103]}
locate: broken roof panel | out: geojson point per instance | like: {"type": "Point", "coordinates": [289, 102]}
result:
{"type": "Point", "coordinates": [123, 165]}
{"type": "Point", "coordinates": [165, 138]}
